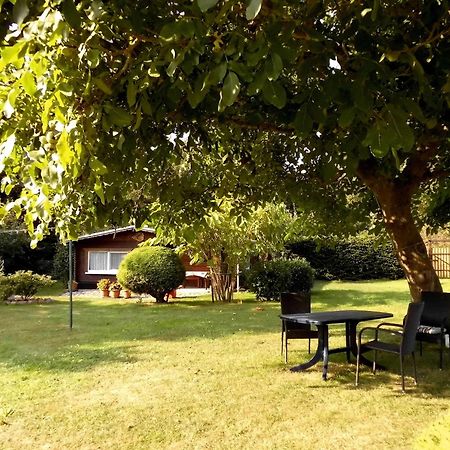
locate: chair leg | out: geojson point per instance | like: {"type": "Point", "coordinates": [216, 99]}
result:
{"type": "Point", "coordinates": [357, 367]}
{"type": "Point", "coordinates": [414, 366]}
{"type": "Point", "coordinates": [309, 346]}
{"type": "Point", "coordinates": [285, 349]}
{"type": "Point", "coordinates": [282, 337]}
{"type": "Point", "coordinates": [374, 365]}
{"type": "Point", "coordinates": [441, 352]}
{"type": "Point", "coordinates": [402, 374]}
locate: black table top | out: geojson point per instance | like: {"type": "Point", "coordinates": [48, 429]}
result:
{"type": "Point", "coordinates": [328, 317]}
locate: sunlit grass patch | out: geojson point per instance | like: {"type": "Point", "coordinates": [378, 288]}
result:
{"type": "Point", "coordinates": [193, 374]}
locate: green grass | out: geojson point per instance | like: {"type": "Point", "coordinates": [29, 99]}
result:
{"type": "Point", "coordinates": [196, 375]}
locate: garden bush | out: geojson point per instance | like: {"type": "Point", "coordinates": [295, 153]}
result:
{"type": "Point", "coordinates": [26, 283]}
{"type": "Point", "coordinates": [151, 270]}
{"type": "Point", "coordinates": [6, 289]}
{"type": "Point", "coordinates": [357, 259]}
{"type": "Point", "coordinates": [60, 267]}
{"type": "Point", "coordinates": [268, 279]}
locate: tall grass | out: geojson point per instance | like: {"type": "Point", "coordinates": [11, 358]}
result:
{"type": "Point", "coordinates": [197, 375]}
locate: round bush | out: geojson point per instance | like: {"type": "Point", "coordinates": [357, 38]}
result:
{"type": "Point", "coordinates": [151, 270]}
{"type": "Point", "coordinates": [268, 279]}
{"type": "Point", "coordinates": [26, 283]}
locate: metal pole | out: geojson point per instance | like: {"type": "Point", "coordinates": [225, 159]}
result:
{"type": "Point", "coordinates": [70, 286]}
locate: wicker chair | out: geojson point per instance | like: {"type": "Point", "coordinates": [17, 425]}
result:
{"type": "Point", "coordinates": [407, 343]}
{"type": "Point", "coordinates": [435, 322]}
{"type": "Point", "coordinates": [294, 303]}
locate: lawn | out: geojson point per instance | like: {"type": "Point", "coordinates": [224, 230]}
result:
{"type": "Point", "coordinates": [197, 375]}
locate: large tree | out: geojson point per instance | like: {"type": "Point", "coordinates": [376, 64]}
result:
{"type": "Point", "coordinates": [225, 240]}
{"type": "Point", "coordinates": [109, 107]}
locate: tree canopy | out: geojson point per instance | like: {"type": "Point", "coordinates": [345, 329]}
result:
{"type": "Point", "coordinates": [117, 106]}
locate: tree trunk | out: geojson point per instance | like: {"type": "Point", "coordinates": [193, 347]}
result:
{"type": "Point", "coordinates": [394, 199]}
{"type": "Point", "coordinates": [223, 280]}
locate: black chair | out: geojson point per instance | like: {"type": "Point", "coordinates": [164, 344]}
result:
{"type": "Point", "coordinates": [407, 343]}
{"type": "Point", "coordinates": [435, 322]}
{"type": "Point", "coordinates": [294, 303]}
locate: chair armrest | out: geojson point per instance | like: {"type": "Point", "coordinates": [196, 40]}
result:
{"type": "Point", "coordinates": [379, 328]}
{"type": "Point", "coordinates": [389, 324]}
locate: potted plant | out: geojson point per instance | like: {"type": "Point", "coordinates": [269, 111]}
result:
{"type": "Point", "coordinates": [103, 285]}
{"type": "Point", "coordinates": [115, 287]}
{"type": "Point", "coordinates": [127, 293]}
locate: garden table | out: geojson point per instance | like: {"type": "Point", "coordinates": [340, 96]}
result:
{"type": "Point", "coordinates": [321, 320]}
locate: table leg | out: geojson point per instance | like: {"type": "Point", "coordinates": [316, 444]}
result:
{"type": "Point", "coordinates": [324, 332]}
{"type": "Point", "coordinates": [321, 353]}
{"type": "Point", "coordinates": [347, 340]}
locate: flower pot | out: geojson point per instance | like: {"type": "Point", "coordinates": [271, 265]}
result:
{"type": "Point", "coordinates": [116, 294]}
{"type": "Point", "coordinates": [173, 293]}
{"type": "Point", "coordinates": [127, 294]}
{"type": "Point", "coordinates": [105, 292]}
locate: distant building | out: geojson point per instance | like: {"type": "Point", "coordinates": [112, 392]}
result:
{"type": "Point", "coordinates": [98, 255]}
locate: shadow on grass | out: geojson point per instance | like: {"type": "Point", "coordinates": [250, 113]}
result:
{"type": "Point", "coordinates": [38, 334]}
{"type": "Point", "coordinates": [432, 382]}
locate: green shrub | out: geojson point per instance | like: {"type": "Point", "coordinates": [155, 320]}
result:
{"type": "Point", "coordinates": [151, 270]}
{"type": "Point", "coordinates": [26, 283]}
{"type": "Point", "coordinates": [358, 259]}
{"type": "Point", "coordinates": [60, 268]}
{"type": "Point", "coordinates": [268, 279]}
{"type": "Point", "coordinates": [6, 290]}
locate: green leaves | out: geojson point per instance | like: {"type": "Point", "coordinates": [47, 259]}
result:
{"type": "Point", "coordinates": [253, 8]}
{"type": "Point", "coordinates": [71, 14]}
{"type": "Point", "coordinates": [217, 74]}
{"type": "Point", "coordinates": [28, 83]}
{"type": "Point", "coordinates": [10, 55]}
{"type": "Point", "coordinates": [230, 91]}
{"type": "Point", "coordinates": [303, 123]}
{"type": "Point", "coordinates": [101, 84]}
{"type": "Point", "coordinates": [64, 150]}
{"type": "Point", "coordinates": [97, 166]}
{"type": "Point", "coordinates": [275, 94]}
{"type": "Point", "coordinates": [346, 117]}
{"type": "Point", "coordinates": [20, 11]}
{"type": "Point", "coordinates": [390, 133]}
{"type": "Point", "coordinates": [204, 5]}
{"type": "Point", "coordinates": [118, 116]}
{"type": "Point", "coordinates": [131, 93]}
{"type": "Point", "coordinates": [273, 67]}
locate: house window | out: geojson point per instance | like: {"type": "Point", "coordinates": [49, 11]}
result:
{"type": "Point", "coordinates": [104, 262]}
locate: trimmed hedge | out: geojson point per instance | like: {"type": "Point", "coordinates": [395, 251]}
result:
{"type": "Point", "coordinates": [355, 260]}
{"type": "Point", "coordinates": [151, 270]}
{"type": "Point", "coordinates": [268, 279]}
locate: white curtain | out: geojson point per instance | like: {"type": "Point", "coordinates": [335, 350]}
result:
{"type": "Point", "coordinates": [115, 259]}
{"type": "Point", "coordinates": [98, 261]}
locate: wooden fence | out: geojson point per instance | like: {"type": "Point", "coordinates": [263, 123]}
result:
{"type": "Point", "coordinates": [440, 256]}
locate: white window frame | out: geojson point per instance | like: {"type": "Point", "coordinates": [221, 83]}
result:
{"type": "Point", "coordinates": [107, 271]}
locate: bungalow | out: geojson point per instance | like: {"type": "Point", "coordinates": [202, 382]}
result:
{"type": "Point", "coordinates": [98, 255]}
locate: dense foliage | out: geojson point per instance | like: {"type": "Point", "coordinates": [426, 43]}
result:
{"type": "Point", "coordinates": [17, 254]}
{"type": "Point", "coordinates": [315, 102]}
{"type": "Point", "coordinates": [224, 240]}
{"type": "Point", "coordinates": [349, 260]}
{"type": "Point", "coordinates": [151, 270]}
{"type": "Point", "coordinates": [60, 265]}
{"type": "Point", "coordinates": [269, 278]}
{"type": "Point", "coordinates": [24, 284]}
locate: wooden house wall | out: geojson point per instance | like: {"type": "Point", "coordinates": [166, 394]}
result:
{"type": "Point", "coordinates": [123, 241]}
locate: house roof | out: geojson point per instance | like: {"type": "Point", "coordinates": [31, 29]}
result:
{"type": "Point", "coordinates": [114, 231]}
